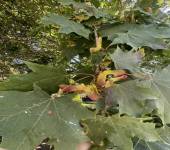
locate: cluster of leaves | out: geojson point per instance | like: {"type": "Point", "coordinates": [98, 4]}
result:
{"type": "Point", "coordinates": [98, 47]}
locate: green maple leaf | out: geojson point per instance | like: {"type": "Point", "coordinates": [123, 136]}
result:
{"type": "Point", "coordinates": [26, 118]}
{"type": "Point", "coordinates": [126, 60]}
{"type": "Point", "coordinates": [131, 98]}
{"type": "Point", "coordinates": [66, 26]}
{"type": "Point", "coordinates": [118, 131]}
{"type": "Point", "coordinates": [47, 77]}
{"type": "Point", "coordinates": [160, 82]}
{"type": "Point", "coordinates": [137, 35]}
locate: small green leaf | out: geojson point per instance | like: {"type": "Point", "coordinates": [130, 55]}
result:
{"type": "Point", "coordinates": [66, 26]}
{"type": "Point", "coordinates": [26, 118]}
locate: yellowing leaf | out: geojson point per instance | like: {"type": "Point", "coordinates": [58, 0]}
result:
{"type": "Point", "coordinates": [114, 75]}
{"type": "Point", "coordinates": [88, 90]}
{"type": "Point", "coordinates": [92, 92]}
{"type": "Point", "coordinates": [77, 98]}
{"type": "Point", "coordinates": [111, 81]}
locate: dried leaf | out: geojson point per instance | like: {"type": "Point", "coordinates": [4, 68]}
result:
{"type": "Point", "coordinates": [87, 90]}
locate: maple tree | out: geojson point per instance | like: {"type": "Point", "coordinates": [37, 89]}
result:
{"type": "Point", "coordinates": [100, 93]}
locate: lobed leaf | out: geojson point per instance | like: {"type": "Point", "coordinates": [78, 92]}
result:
{"type": "Point", "coordinates": [132, 99]}
{"type": "Point", "coordinates": [26, 118]}
{"type": "Point", "coordinates": [66, 26]}
{"type": "Point", "coordinates": [126, 60]}
{"type": "Point", "coordinates": [161, 83]}
{"type": "Point", "coordinates": [137, 35]}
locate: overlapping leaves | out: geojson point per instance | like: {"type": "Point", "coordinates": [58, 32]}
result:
{"type": "Point", "coordinates": [144, 95]}
{"type": "Point", "coordinates": [116, 132]}
{"type": "Point", "coordinates": [137, 35]}
{"type": "Point", "coordinates": [26, 118]}
{"type": "Point", "coordinates": [132, 99]}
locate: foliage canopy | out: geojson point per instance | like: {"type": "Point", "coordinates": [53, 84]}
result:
{"type": "Point", "coordinates": [97, 87]}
